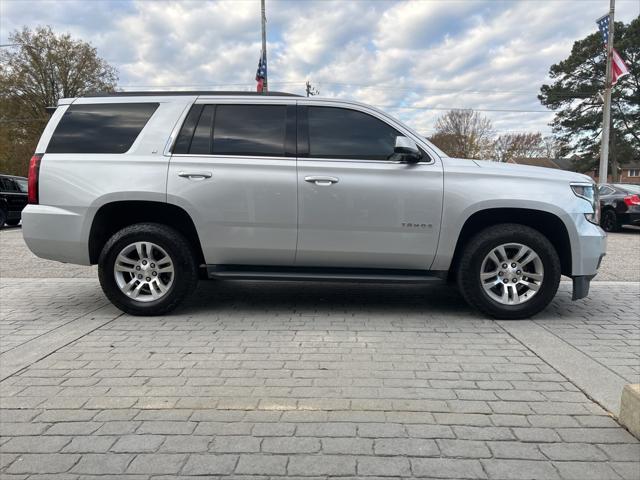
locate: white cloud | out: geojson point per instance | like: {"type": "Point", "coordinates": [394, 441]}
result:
{"type": "Point", "coordinates": [410, 57]}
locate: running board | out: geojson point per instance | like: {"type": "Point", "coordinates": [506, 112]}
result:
{"type": "Point", "coordinates": [247, 272]}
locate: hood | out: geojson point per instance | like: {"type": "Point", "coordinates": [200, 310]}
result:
{"type": "Point", "coordinates": [512, 169]}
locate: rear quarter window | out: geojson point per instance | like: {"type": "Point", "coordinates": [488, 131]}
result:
{"type": "Point", "coordinates": [100, 128]}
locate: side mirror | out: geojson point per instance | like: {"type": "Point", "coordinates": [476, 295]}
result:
{"type": "Point", "coordinates": [406, 150]}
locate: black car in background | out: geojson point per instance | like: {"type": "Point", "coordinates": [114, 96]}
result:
{"type": "Point", "coordinates": [620, 205]}
{"type": "Point", "coordinates": [13, 198]}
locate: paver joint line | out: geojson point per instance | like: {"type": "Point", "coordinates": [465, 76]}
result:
{"type": "Point", "coordinates": [595, 380]}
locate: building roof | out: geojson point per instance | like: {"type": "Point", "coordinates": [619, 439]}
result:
{"type": "Point", "coordinates": [564, 163]}
{"type": "Point", "coordinates": [536, 162]}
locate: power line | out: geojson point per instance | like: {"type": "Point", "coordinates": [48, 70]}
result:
{"type": "Point", "coordinates": [365, 85]}
{"type": "Point", "coordinates": [467, 108]}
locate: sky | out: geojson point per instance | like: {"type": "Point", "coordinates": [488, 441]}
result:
{"type": "Point", "coordinates": [414, 59]}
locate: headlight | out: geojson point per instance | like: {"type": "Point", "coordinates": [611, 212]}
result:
{"type": "Point", "coordinates": [589, 192]}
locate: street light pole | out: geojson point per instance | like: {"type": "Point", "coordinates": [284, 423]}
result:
{"type": "Point", "coordinates": [606, 116]}
{"type": "Point", "coordinates": [264, 45]}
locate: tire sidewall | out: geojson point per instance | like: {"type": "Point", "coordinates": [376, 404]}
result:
{"type": "Point", "coordinates": [550, 283]}
{"type": "Point", "coordinates": [609, 214]}
{"type": "Point", "coordinates": [183, 268]}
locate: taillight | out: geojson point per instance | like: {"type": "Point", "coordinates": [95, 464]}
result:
{"type": "Point", "coordinates": [632, 200]}
{"type": "Point", "coordinates": [34, 173]}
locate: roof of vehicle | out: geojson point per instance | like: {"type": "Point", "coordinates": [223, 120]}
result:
{"type": "Point", "coordinates": [151, 93]}
{"type": "Point", "coordinates": [623, 186]}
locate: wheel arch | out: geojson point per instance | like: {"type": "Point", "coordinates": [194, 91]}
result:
{"type": "Point", "coordinates": [547, 223]}
{"type": "Point", "coordinates": [113, 216]}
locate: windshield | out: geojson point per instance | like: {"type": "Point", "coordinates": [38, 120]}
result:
{"type": "Point", "coordinates": [629, 187]}
{"type": "Point", "coordinates": [22, 185]}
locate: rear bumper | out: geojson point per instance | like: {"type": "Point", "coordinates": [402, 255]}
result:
{"type": "Point", "coordinates": [55, 233]}
{"type": "Point", "coordinates": [632, 218]}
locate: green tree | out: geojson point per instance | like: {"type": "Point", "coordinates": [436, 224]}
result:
{"type": "Point", "coordinates": [40, 68]}
{"type": "Point", "coordinates": [575, 97]}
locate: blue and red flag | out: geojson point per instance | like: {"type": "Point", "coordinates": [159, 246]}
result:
{"type": "Point", "coordinates": [618, 67]}
{"type": "Point", "coordinates": [261, 73]}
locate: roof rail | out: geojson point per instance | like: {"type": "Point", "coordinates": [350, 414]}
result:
{"type": "Point", "coordinates": [188, 92]}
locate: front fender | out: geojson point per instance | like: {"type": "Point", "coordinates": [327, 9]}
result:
{"type": "Point", "coordinates": [454, 221]}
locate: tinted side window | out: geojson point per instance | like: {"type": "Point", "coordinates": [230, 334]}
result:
{"type": "Point", "coordinates": [344, 133]}
{"type": "Point", "coordinates": [249, 130]}
{"type": "Point", "coordinates": [3, 185]}
{"type": "Point", "coordinates": [8, 185]}
{"type": "Point", "coordinates": [23, 186]}
{"type": "Point", "coordinates": [183, 142]}
{"type": "Point", "coordinates": [201, 143]}
{"type": "Point", "coordinates": [100, 128]}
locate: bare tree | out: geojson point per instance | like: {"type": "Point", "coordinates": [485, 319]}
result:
{"type": "Point", "coordinates": [518, 145]}
{"type": "Point", "coordinates": [40, 68]}
{"type": "Point", "coordinates": [464, 134]}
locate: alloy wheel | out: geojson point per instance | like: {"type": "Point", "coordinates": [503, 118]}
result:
{"type": "Point", "coordinates": [144, 271]}
{"type": "Point", "coordinates": [511, 273]}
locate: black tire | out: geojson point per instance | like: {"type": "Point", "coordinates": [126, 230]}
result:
{"type": "Point", "coordinates": [12, 223]}
{"type": "Point", "coordinates": [481, 244]}
{"type": "Point", "coordinates": [609, 222]}
{"type": "Point", "coordinates": [174, 244]}
{"type": "Point", "coordinates": [3, 217]}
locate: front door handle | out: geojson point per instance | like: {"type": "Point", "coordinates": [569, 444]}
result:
{"type": "Point", "coordinates": [322, 181]}
{"type": "Point", "coordinates": [195, 175]}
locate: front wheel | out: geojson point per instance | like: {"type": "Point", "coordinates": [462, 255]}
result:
{"type": "Point", "coordinates": [509, 271]}
{"type": "Point", "coordinates": [147, 269]}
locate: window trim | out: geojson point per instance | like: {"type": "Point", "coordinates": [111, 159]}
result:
{"type": "Point", "coordinates": [303, 136]}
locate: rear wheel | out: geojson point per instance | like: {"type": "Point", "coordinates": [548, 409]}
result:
{"type": "Point", "coordinates": [609, 221]}
{"type": "Point", "coordinates": [147, 269]}
{"type": "Point", "coordinates": [509, 271]}
{"type": "Point", "coordinates": [13, 222]}
{"type": "Point", "coordinates": [3, 217]}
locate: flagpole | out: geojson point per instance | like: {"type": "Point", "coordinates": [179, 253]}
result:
{"type": "Point", "coordinates": [264, 45]}
{"type": "Point", "coordinates": [606, 115]}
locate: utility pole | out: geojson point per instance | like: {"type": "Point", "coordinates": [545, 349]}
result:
{"type": "Point", "coordinates": [606, 116]}
{"type": "Point", "coordinates": [311, 90]}
{"type": "Point", "coordinates": [265, 87]}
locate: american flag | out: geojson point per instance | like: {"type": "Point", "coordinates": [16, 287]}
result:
{"type": "Point", "coordinates": [261, 73]}
{"type": "Point", "coordinates": [618, 67]}
{"type": "Point", "coordinates": [603, 25]}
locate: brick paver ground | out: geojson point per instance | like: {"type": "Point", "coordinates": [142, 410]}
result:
{"type": "Point", "coordinates": [308, 380]}
{"type": "Point", "coordinates": [268, 380]}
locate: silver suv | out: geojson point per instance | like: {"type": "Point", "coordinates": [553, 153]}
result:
{"type": "Point", "coordinates": [161, 189]}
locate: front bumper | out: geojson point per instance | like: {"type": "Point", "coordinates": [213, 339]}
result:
{"type": "Point", "coordinates": [588, 248]}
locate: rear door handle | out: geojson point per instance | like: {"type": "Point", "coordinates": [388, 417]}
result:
{"type": "Point", "coordinates": [322, 181]}
{"type": "Point", "coordinates": [195, 175]}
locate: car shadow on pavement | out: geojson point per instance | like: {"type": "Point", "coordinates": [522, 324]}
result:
{"type": "Point", "coordinates": [317, 298]}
